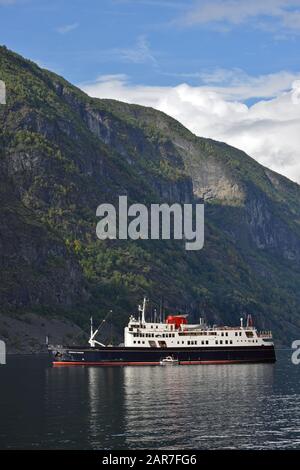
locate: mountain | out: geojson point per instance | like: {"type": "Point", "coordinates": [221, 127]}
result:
{"type": "Point", "coordinates": [63, 153]}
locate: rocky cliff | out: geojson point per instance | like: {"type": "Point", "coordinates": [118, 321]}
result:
{"type": "Point", "coordinates": [63, 153]}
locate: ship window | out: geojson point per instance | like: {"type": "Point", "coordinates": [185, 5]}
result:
{"type": "Point", "coordinates": [206, 342]}
{"type": "Point", "coordinates": [221, 342]}
{"type": "Point", "coordinates": [156, 326]}
{"type": "Point", "coordinates": [143, 342]}
{"type": "Point", "coordinates": [240, 333]}
{"type": "Point", "coordinates": [139, 342]}
{"type": "Point", "coordinates": [231, 341]}
{"type": "Point", "coordinates": [226, 341]}
{"type": "Point", "coordinates": [134, 342]}
{"type": "Point", "coordinates": [222, 334]}
{"type": "Point", "coordinates": [216, 342]}
{"type": "Point", "coordinates": [226, 333]}
{"type": "Point", "coordinates": [182, 342]}
{"type": "Point", "coordinates": [236, 334]}
{"type": "Point", "coordinates": [188, 342]}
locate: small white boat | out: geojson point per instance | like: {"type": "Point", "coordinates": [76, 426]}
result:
{"type": "Point", "coordinates": [169, 361]}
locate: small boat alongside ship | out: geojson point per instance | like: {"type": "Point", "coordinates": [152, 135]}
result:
{"type": "Point", "coordinates": [169, 361]}
{"type": "Point", "coordinates": [172, 342]}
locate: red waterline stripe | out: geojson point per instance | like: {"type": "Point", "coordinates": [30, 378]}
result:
{"type": "Point", "coordinates": [114, 363]}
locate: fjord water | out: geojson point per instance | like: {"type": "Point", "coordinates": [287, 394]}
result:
{"type": "Point", "coordinates": [254, 406]}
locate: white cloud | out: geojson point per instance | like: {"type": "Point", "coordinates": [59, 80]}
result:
{"type": "Point", "coordinates": [286, 13]}
{"type": "Point", "coordinates": [268, 130]}
{"type": "Point", "coordinates": [139, 53]}
{"type": "Point", "coordinates": [64, 29]}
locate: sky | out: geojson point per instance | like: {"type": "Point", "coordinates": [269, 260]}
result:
{"type": "Point", "coordinates": [226, 69]}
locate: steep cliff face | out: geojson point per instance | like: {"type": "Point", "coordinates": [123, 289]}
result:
{"type": "Point", "coordinates": [63, 153]}
{"type": "Point", "coordinates": [36, 267]}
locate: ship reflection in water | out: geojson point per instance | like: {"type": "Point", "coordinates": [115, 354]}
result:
{"type": "Point", "coordinates": [190, 407]}
{"type": "Point", "coordinates": [177, 407]}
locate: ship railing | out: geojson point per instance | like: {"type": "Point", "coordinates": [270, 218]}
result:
{"type": "Point", "coordinates": [265, 334]}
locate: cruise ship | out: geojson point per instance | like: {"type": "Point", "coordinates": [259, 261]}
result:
{"type": "Point", "coordinates": [172, 341]}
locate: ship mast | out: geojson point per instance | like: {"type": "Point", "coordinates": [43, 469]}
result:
{"type": "Point", "coordinates": [143, 311]}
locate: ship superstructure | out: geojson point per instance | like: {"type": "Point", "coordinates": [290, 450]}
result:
{"type": "Point", "coordinates": [177, 333]}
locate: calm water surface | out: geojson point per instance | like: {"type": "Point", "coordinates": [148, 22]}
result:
{"type": "Point", "coordinates": [199, 407]}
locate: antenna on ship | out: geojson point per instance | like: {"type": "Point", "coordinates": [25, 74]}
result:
{"type": "Point", "coordinates": [142, 310]}
{"type": "Point", "coordinates": [249, 320]}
